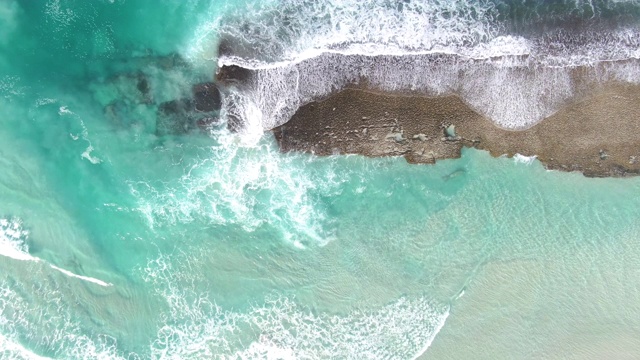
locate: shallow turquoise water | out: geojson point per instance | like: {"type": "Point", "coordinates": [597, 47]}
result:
{"type": "Point", "coordinates": [117, 241]}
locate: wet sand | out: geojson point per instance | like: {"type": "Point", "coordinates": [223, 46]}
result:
{"type": "Point", "coordinates": [597, 134]}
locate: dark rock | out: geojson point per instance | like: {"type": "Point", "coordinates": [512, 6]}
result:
{"type": "Point", "coordinates": [114, 110]}
{"type": "Point", "coordinates": [455, 174]}
{"type": "Point", "coordinates": [175, 117]}
{"type": "Point", "coordinates": [234, 123]}
{"type": "Point", "coordinates": [235, 47]}
{"type": "Point", "coordinates": [208, 122]}
{"type": "Point", "coordinates": [233, 75]}
{"type": "Point", "coordinates": [171, 61]}
{"type": "Point", "coordinates": [143, 85]}
{"type": "Point", "coordinates": [382, 125]}
{"type": "Point", "coordinates": [225, 48]}
{"type": "Point", "coordinates": [207, 97]}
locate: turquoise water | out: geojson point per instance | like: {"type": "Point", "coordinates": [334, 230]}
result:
{"type": "Point", "coordinates": [120, 241]}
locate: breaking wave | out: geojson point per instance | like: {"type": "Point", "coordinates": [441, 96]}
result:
{"type": "Point", "coordinates": [12, 236]}
{"type": "Point", "coordinates": [493, 54]}
{"type": "Point", "coordinates": [46, 323]}
{"type": "Point", "coordinates": [248, 185]}
{"type": "Point", "coordinates": [196, 327]}
{"type": "Point", "coordinates": [523, 159]}
{"type": "Point", "coordinates": [285, 32]}
{"type": "Point", "coordinates": [13, 245]}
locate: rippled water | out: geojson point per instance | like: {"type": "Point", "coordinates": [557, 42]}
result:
{"type": "Point", "coordinates": [121, 240]}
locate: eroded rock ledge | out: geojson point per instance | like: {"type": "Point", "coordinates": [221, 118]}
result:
{"type": "Point", "coordinates": [598, 135]}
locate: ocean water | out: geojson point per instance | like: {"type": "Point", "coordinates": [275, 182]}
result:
{"type": "Point", "coordinates": [124, 238]}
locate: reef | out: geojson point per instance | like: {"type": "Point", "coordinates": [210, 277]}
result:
{"type": "Point", "coordinates": [135, 96]}
{"type": "Point", "coordinates": [426, 108]}
{"type": "Point", "coordinates": [597, 134]}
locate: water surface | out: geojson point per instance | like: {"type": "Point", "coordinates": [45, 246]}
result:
{"type": "Point", "coordinates": [122, 241]}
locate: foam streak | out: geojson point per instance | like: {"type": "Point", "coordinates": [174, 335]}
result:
{"type": "Point", "coordinates": [12, 245]}
{"type": "Point", "coordinates": [85, 278]}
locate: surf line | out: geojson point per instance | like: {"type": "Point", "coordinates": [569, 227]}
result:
{"type": "Point", "coordinates": [85, 278]}
{"type": "Point", "coordinates": [27, 257]}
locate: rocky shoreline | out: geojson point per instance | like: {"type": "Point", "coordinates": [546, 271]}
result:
{"type": "Point", "coordinates": [597, 134]}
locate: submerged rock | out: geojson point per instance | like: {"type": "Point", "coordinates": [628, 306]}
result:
{"type": "Point", "coordinates": [207, 97]}
{"type": "Point", "coordinates": [174, 117]}
{"type": "Point", "coordinates": [454, 174]}
{"type": "Point", "coordinates": [171, 61]}
{"type": "Point", "coordinates": [183, 115]}
{"type": "Point", "coordinates": [133, 96]}
{"type": "Point", "coordinates": [208, 123]}
{"type": "Point", "coordinates": [176, 107]}
{"type": "Point", "coordinates": [143, 85]}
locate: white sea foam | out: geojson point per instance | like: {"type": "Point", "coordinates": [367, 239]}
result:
{"type": "Point", "coordinates": [21, 319]}
{"type": "Point", "coordinates": [512, 96]}
{"type": "Point", "coordinates": [46, 101]}
{"type": "Point", "coordinates": [85, 278]}
{"type": "Point", "coordinates": [84, 134]}
{"type": "Point", "coordinates": [13, 350]}
{"type": "Point", "coordinates": [512, 92]}
{"type": "Point", "coordinates": [285, 32]}
{"type": "Point", "coordinates": [10, 87]}
{"type": "Point", "coordinates": [59, 13]}
{"type": "Point", "coordinates": [303, 50]}
{"type": "Point", "coordinates": [527, 160]}
{"type": "Point", "coordinates": [63, 110]}
{"type": "Point", "coordinates": [499, 47]}
{"type": "Point", "coordinates": [13, 245]}
{"type": "Point", "coordinates": [87, 155]}
{"type": "Point", "coordinates": [401, 330]}
{"type": "Point", "coordinates": [293, 30]}
{"type": "Point", "coordinates": [281, 328]}
{"type": "Point", "coordinates": [245, 184]}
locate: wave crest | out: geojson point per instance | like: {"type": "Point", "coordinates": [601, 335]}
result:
{"type": "Point", "coordinates": [195, 327]}
{"type": "Point", "coordinates": [491, 53]}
